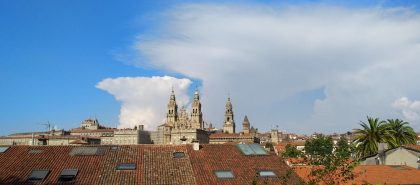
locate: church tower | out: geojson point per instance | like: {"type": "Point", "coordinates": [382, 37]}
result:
{"type": "Point", "coordinates": [229, 123]}
{"type": "Point", "coordinates": [245, 125]}
{"type": "Point", "coordinates": [196, 114]}
{"type": "Point", "coordinates": [172, 113]}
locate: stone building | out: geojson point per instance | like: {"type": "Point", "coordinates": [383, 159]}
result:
{"type": "Point", "coordinates": [130, 136]}
{"type": "Point", "coordinates": [248, 135]}
{"type": "Point", "coordinates": [181, 127]}
{"type": "Point", "coordinates": [90, 123]}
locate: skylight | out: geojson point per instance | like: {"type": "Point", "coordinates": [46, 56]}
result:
{"type": "Point", "coordinates": [68, 175]}
{"type": "Point", "coordinates": [126, 166]}
{"type": "Point", "coordinates": [35, 151]}
{"type": "Point", "coordinates": [87, 151]}
{"type": "Point", "coordinates": [251, 149]}
{"type": "Point", "coordinates": [179, 154]}
{"type": "Point", "coordinates": [267, 173]}
{"type": "Point", "coordinates": [38, 175]}
{"type": "Point", "coordinates": [114, 148]}
{"type": "Point", "coordinates": [3, 149]}
{"type": "Point", "coordinates": [224, 174]}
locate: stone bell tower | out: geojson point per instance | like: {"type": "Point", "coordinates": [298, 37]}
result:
{"type": "Point", "coordinates": [172, 113]}
{"type": "Point", "coordinates": [229, 122]}
{"type": "Point", "coordinates": [196, 114]}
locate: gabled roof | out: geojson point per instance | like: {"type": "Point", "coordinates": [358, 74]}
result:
{"type": "Point", "coordinates": [154, 164]}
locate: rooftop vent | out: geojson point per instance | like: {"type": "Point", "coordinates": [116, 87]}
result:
{"type": "Point", "coordinates": [81, 151]}
{"type": "Point", "coordinates": [68, 175]}
{"type": "Point", "coordinates": [251, 149]}
{"type": "Point", "coordinates": [38, 175]}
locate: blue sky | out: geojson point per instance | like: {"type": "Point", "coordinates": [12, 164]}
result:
{"type": "Point", "coordinates": [54, 53]}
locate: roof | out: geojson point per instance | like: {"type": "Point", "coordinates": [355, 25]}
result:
{"type": "Point", "coordinates": [376, 174]}
{"type": "Point", "coordinates": [154, 164]}
{"type": "Point", "coordinates": [52, 137]}
{"type": "Point", "coordinates": [88, 131]}
{"type": "Point", "coordinates": [413, 147]}
{"type": "Point", "coordinates": [226, 135]}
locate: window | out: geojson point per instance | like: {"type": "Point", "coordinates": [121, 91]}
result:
{"type": "Point", "coordinates": [3, 149]}
{"type": "Point", "coordinates": [68, 175]}
{"type": "Point", "coordinates": [267, 173]}
{"type": "Point", "coordinates": [38, 175]}
{"type": "Point", "coordinates": [179, 154]}
{"type": "Point", "coordinates": [126, 166]}
{"type": "Point", "coordinates": [224, 174]}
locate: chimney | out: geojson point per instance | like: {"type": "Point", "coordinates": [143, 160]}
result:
{"type": "Point", "coordinates": [196, 145]}
{"type": "Point", "coordinates": [33, 139]}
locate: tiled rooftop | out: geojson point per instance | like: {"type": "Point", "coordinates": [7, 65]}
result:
{"type": "Point", "coordinates": [153, 164]}
{"type": "Point", "coordinates": [376, 174]}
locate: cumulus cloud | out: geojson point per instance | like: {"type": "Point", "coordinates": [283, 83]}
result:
{"type": "Point", "coordinates": [363, 59]}
{"type": "Point", "coordinates": [409, 108]}
{"type": "Point", "coordinates": [144, 99]}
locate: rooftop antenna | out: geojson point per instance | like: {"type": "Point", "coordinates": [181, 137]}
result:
{"type": "Point", "coordinates": [48, 125]}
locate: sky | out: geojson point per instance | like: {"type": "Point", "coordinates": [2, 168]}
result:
{"type": "Point", "coordinates": [304, 66]}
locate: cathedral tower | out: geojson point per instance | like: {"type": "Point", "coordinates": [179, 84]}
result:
{"type": "Point", "coordinates": [196, 114]}
{"type": "Point", "coordinates": [245, 125]}
{"type": "Point", "coordinates": [172, 113]}
{"type": "Point", "coordinates": [229, 122]}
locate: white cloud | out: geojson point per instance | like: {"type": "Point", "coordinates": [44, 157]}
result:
{"type": "Point", "coordinates": [410, 109]}
{"type": "Point", "coordinates": [362, 58]}
{"type": "Point", "coordinates": [144, 99]}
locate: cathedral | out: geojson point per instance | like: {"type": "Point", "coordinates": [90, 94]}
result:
{"type": "Point", "coordinates": [181, 127]}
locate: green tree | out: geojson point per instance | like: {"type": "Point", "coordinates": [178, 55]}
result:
{"type": "Point", "coordinates": [329, 166]}
{"type": "Point", "coordinates": [291, 151]}
{"type": "Point", "coordinates": [373, 132]}
{"type": "Point", "coordinates": [402, 133]}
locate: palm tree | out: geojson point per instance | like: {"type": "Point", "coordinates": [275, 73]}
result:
{"type": "Point", "coordinates": [373, 132]}
{"type": "Point", "coordinates": [402, 133]}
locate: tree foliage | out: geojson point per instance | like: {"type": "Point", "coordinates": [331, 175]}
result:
{"type": "Point", "coordinates": [291, 151]}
